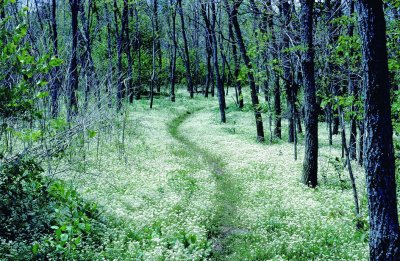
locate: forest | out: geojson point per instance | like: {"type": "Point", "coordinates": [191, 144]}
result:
{"type": "Point", "coordinates": [199, 129]}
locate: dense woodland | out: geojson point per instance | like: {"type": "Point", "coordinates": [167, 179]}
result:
{"type": "Point", "coordinates": [199, 129]}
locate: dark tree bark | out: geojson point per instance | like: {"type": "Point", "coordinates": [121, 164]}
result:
{"type": "Point", "coordinates": [127, 49]}
{"type": "Point", "coordinates": [158, 43]}
{"type": "Point", "coordinates": [196, 42]}
{"type": "Point", "coordinates": [88, 63]}
{"type": "Point", "coordinates": [378, 141]}
{"type": "Point", "coordinates": [174, 50]}
{"type": "Point", "coordinates": [236, 60]}
{"type": "Point", "coordinates": [138, 45]}
{"type": "Point", "coordinates": [110, 58]}
{"type": "Point", "coordinates": [154, 53]}
{"type": "Point", "coordinates": [333, 9]}
{"type": "Point", "coordinates": [287, 71]}
{"type": "Point", "coordinates": [210, 77]}
{"type": "Point", "coordinates": [73, 68]}
{"type": "Point", "coordinates": [233, 13]}
{"type": "Point", "coordinates": [220, 83]}
{"type": "Point", "coordinates": [268, 23]}
{"type": "Point", "coordinates": [56, 83]}
{"type": "Point", "coordinates": [353, 90]}
{"type": "Point", "coordinates": [120, 40]}
{"type": "Point", "coordinates": [361, 143]}
{"type": "Point", "coordinates": [348, 163]}
{"type": "Point", "coordinates": [186, 50]}
{"type": "Point", "coordinates": [310, 164]}
{"type": "Point", "coordinates": [277, 108]}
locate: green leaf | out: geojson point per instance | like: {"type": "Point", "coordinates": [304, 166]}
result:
{"type": "Point", "coordinates": [58, 233]}
{"type": "Point", "coordinates": [41, 83]}
{"type": "Point", "coordinates": [64, 237]}
{"type": "Point", "coordinates": [77, 241]}
{"type": "Point", "coordinates": [54, 61]}
{"type": "Point", "coordinates": [42, 95]}
{"type": "Point", "coordinates": [35, 248]}
{"type": "Point", "coordinates": [91, 133]}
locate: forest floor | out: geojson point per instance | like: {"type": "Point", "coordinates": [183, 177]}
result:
{"type": "Point", "coordinates": [183, 186]}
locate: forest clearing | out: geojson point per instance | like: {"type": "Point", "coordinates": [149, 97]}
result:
{"type": "Point", "coordinates": [199, 130]}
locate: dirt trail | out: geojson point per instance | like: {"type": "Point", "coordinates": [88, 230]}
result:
{"type": "Point", "coordinates": [227, 194]}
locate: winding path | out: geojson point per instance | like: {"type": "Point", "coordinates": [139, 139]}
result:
{"type": "Point", "coordinates": [227, 194]}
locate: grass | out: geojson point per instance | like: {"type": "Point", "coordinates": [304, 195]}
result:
{"type": "Point", "coordinates": [186, 187]}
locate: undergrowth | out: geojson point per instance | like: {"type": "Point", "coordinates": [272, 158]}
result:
{"type": "Point", "coordinates": [172, 183]}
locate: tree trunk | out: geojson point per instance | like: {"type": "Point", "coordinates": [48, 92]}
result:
{"type": "Point", "coordinates": [110, 59]}
{"type": "Point", "coordinates": [353, 90]}
{"type": "Point", "coordinates": [56, 83]}
{"type": "Point", "coordinates": [348, 163]}
{"type": "Point", "coordinates": [127, 49]}
{"type": "Point", "coordinates": [236, 60]}
{"type": "Point", "coordinates": [154, 54]}
{"type": "Point", "coordinates": [158, 43]}
{"type": "Point", "coordinates": [210, 77]}
{"type": "Point", "coordinates": [254, 98]}
{"type": "Point", "coordinates": [220, 84]}
{"type": "Point", "coordinates": [120, 40]}
{"type": "Point", "coordinates": [73, 68]}
{"type": "Point", "coordinates": [310, 164]}
{"type": "Point", "coordinates": [186, 50]}
{"type": "Point", "coordinates": [287, 74]}
{"type": "Point", "coordinates": [174, 49]}
{"type": "Point", "coordinates": [268, 22]}
{"type": "Point", "coordinates": [378, 141]}
{"type": "Point", "coordinates": [138, 85]}
{"type": "Point", "coordinates": [89, 68]}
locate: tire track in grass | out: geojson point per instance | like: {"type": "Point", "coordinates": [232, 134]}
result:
{"type": "Point", "coordinates": [227, 194]}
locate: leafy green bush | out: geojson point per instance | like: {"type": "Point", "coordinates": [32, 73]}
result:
{"type": "Point", "coordinates": [41, 217]}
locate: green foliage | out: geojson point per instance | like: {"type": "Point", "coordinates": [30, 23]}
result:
{"type": "Point", "coordinates": [396, 111]}
{"type": "Point", "coordinates": [42, 217]}
{"type": "Point", "coordinates": [351, 106]}
{"type": "Point", "coordinates": [21, 204]}
{"type": "Point", "coordinates": [347, 52]}
{"type": "Point", "coordinates": [21, 81]}
{"type": "Point", "coordinates": [295, 49]}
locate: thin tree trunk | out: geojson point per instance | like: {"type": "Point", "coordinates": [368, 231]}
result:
{"type": "Point", "coordinates": [254, 98]}
{"type": "Point", "coordinates": [154, 54]}
{"type": "Point", "coordinates": [56, 83]}
{"type": "Point", "coordinates": [354, 92]}
{"type": "Point", "coordinates": [120, 39]}
{"type": "Point", "coordinates": [209, 79]}
{"type": "Point", "coordinates": [220, 84]}
{"type": "Point", "coordinates": [186, 50]}
{"type": "Point", "coordinates": [236, 60]}
{"type": "Point", "coordinates": [287, 74]}
{"type": "Point", "coordinates": [73, 68]}
{"type": "Point", "coordinates": [348, 163]}
{"type": "Point", "coordinates": [127, 48]}
{"type": "Point", "coordinates": [138, 85]}
{"type": "Point", "coordinates": [174, 49]}
{"type": "Point", "coordinates": [110, 59]}
{"type": "Point", "coordinates": [268, 23]}
{"type": "Point", "coordinates": [158, 43]}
